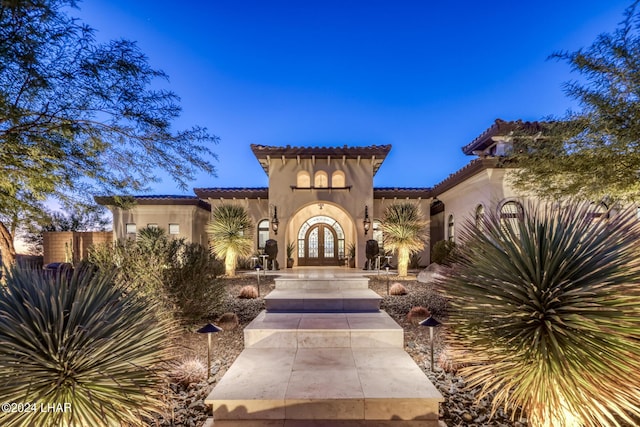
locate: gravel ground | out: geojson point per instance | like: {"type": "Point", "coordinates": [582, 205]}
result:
{"type": "Point", "coordinates": [185, 403]}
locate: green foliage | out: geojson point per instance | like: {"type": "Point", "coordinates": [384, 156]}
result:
{"type": "Point", "coordinates": [291, 248]}
{"type": "Point", "coordinates": [592, 153]}
{"type": "Point", "coordinates": [405, 231]}
{"type": "Point", "coordinates": [549, 313]}
{"type": "Point", "coordinates": [180, 276]}
{"type": "Point", "coordinates": [443, 252]}
{"type": "Point", "coordinates": [191, 283]}
{"type": "Point", "coordinates": [79, 340]}
{"type": "Point", "coordinates": [231, 234]}
{"type": "Point", "coordinates": [79, 117]}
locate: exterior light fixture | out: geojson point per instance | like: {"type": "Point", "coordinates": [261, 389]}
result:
{"type": "Point", "coordinates": [258, 267]}
{"type": "Point", "coordinates": [274, 221]}
{"type": "Point", "coordinates": [386, 266]}
{"type": "Point", "coordinates": [367, 222]}
{"type": "Point", "coordinates": [432, 324]}
{"type": "Point", "coordinates": [209, 329]}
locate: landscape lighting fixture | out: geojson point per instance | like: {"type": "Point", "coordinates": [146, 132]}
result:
{"type": "Point", "coordinates": [367, 222]}
{"type": "Point", "coordinates": [432, 324]}
{"type": "Point", "coordinates": [274, 221]}
{"type": "Point", "coordinates": [209, 329]}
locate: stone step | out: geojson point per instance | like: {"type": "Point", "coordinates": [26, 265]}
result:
{"type": "Point", "coordinates": [366, 385]}
{"type": "Point", "coordinates": [322, 300]}
{"type": "Point", "coordinates": [329, 282]}
{"type": "Point", "coordinates": [312, 330]}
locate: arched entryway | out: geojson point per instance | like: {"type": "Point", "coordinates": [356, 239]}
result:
{"type": "Point", "coordinates": [320, 242]}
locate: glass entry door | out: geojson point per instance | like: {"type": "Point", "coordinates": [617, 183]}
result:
{"type": "Point", "coordinates": [320, 243]}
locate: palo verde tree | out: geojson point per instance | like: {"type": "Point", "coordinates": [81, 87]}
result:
{"type": "Point", "coordinates": [594, 152]}
{"type": "Point", "coordinates": [79, 117]}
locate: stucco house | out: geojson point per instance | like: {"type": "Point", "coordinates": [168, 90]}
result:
{"type": "Point", "coordinates": [322, 199]}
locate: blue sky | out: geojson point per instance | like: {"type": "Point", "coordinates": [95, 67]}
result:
{"type": "Point", "coordinates": [424, 76]}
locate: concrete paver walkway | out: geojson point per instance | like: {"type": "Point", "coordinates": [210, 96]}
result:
{"type": "Point", "coordinates": [304, 367]}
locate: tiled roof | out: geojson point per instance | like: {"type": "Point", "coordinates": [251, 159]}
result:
{"type": "Point", "coordinates": [232, 192]}
{"type": "Point", "coordinates": [401, 192]}
{"type": "Point", "coordinates": [472, 168]}
{"type": "Point", "coordinates": [499, 128]}
{"type": "Point", "coordinates": [266, 153]}
{"type": "Point", "coordinates": [155, 199]}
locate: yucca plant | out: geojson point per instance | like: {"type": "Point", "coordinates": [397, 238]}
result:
{"type": "Point", "coordinates": [404, 230]}
{"type": "Point", "coordinates": [231, 234]}
{"type": "Point", "coordinates": [80, 342]}
{"type": "Point", "coordinates": [548, 310]}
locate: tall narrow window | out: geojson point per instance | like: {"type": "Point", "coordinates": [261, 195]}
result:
{"type": "Point", "coordinates": [337, 179]}
{"type": "Point", "coordinates": [479, 219]}
{"type": "Point", "coordinates": [263, 233]}
{"type": "Point", "coordinates": [321, 180]}
{"type": "Point", "coordinates": [131, 228]}
{"type": "Point", "coordinates": [451, 229]}
{"type": "Point", "coordinates": [377, 234]}
{"type": "Point", "coordinates": [303, 180]}
{"type": "Point", "coordinates": [511, 214]}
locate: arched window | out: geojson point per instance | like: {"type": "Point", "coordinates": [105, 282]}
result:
{"type": "Point", "coordinates": [511, 214]}
{"type": "Point", "coordinates": [479, 218]}
{"type": "Point", "coordinates": [337, 179]}
{"type": "Point", "coordinates": [451, 229]}
{"type": "Point", "coordinates": [263, 233]}
{"type": "Point", "coordinates": [303, 179]}
{"type": "Point", "coordinates": [321, 180]}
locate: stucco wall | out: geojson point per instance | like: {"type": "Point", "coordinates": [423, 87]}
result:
{"type": "Point", "coordinates": [190, 219]}
{"type": "Point", "coordinates": [71, 246]}
{"type": "Point", "coordinates": [488, 187]}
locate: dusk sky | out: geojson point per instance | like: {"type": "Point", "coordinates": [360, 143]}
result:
{"type": "Point", "coordinates": [424, 76]}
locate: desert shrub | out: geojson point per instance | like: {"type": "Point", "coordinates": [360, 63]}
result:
{"type": "Point", "coordinates": [248, 292]}
{"type": "Point", "coordinates": [192, 283]}
{"type": "Point", "coordinates": [80, 340]}
{"type": "Point", "coordinates": [425, 296]}
{"type": "Point", "coordinates": [397, 289]}
{"type": "Point", "coordinates": [228, 321]}
{"type": "Point", "coordinates": [444, 252]}
{"type": "Point", "coordinates": [181, 276]}
{"type": "Point", "coordinates": [418, 314]}
{"type": "Point", "coordinates": [188, 371]}
{"type": "Point", "coordinates": [415, 260]}
{"type": "Point", "coordinates": [547, 306]}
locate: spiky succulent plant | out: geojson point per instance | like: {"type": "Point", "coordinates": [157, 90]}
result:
{"type": "Point", "coordinates": [230, 231]}
{"type": "Point", "coordinates": [81, 344]}
{"type": "Point", "coordinates": [405, 231]}
{"type": "Point", "coordinates": [549, 309]}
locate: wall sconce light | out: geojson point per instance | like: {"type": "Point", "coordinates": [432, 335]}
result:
{"type": "Point", "coordinates": [367, 222]}
{"type": "Point", "coordinates": [274, 221]}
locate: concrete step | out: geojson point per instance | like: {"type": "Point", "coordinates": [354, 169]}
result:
{"type": "Point", "coordinates": [319, 423]}
{"type": "Point", "coordinates": [312, 330]}
{"type": "Point", "coordinates": [366, 385]}
{"type": "Point", "coordinates": [322, 300]}
{"type": "Point", "coordinates": [321, 282]}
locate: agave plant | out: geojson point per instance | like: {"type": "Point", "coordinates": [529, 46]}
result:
{"type": "Point", "coordinates": [230, 231]}
{"type": "Point", "coordinates": [548, 310]}
{"type": "Point", "coordinates": [405, 231]}
{"type": "Point", "coordinates": [79, 342]}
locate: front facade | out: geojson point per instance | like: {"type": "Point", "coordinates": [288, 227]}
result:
{"type": "Point", "coordinates": [321, 197]}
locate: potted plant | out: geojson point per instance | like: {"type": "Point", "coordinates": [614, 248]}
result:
{"type": "Point", "coordinates": [290, 248]}
{"type": "Point", "coordinates": [351, 251]}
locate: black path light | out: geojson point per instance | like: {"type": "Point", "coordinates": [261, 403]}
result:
{"type": "Point", "coordinates": [258, 267]}
{"type": "Point", "coordinates": [387, 266]}
{"type": "Point", "coordinates": [209, 329]}
{"type": "Point", "coordinates": [432, 324]}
